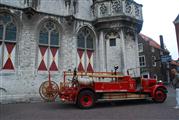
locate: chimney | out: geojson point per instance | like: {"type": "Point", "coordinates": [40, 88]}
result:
{"type": "Point", "coordinates": [161, 42]}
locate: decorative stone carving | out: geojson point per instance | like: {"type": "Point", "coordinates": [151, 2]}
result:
{"type": "Point", "coordinates": [107, 9]}
{"type": "Point", "coordinates": [112, 34]}
{"type": "Point", "coordinates": [30, 12]}
{"type": "Point", "coordinates": [129, 32]}
{"type": "Point", "coordinates": [128, 7]}
{"type": "Point", "coordinates": [32, 3]}
{"type": "Point", "coordinates": [116, 6]}
{"type": "Point", "coordinates": [67, 2]}
{"type": "Point", "coordinates": [75, 6]}
{"type": "Point", "coordinates": [137, 11]}
{"type": "Point", "coordinates": [103, 9]}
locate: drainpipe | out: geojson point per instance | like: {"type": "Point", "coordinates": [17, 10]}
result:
{"type": "Point", "coordinates": [167, 63]}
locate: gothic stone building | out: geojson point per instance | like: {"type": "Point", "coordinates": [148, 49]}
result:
{"type": "Point", "coordinates": [37, 36]}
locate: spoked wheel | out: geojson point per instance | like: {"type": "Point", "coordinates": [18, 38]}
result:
{"type": "Point", "coordinates": [86, 99]}
{"type": "Point", "coordinates": [48, 92]}
{"type": "Point", "coordinates": [160, 96]}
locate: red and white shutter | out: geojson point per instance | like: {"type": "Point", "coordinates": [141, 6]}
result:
{"type": "Point", "coordinates": [42, 58]}
{"type": "Point", "coordinates": [9, 56]}
{"type": "Point", "coordinates": [90, 60]}
{"type": "Point", "coordinates": [53, 59]}
{"type": "Point", "coordinates": [81, 60]}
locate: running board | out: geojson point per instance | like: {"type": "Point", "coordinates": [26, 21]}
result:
{"type": "Point", "coordinates": [122, 96]}
{"type": "Point", "coordinates": [100, 100]}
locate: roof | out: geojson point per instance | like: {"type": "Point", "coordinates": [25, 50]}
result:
{"type": "Point", "coordinates": [177, 19]}
{"type": "Point", "coordinates": [150, 40]}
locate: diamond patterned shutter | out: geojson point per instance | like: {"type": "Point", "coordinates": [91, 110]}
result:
{"type": "Point", "coordinates": [42, 60]}
{"type": "Point", "coordinates": [9, 56]}
{"type": "Point", "coordinates": [53, 59]}
{"type": "Point", "coordinates": [90, 60]}
{"type": "Point", "coordinates": [81, 60]}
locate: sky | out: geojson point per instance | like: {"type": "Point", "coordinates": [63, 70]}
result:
{"type": "Point", "coordinates": [158, 16]}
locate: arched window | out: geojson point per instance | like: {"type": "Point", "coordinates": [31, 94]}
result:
{"type": "Point", "coordinates": [48, 56]}
{"type": "Point", "coordinates": [8, 32]}
{"type": "Point", "coordinates": [85, 50]}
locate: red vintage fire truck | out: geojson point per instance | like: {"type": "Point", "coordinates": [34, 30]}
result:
{"type": "Point", "coordinates": [86, 89]}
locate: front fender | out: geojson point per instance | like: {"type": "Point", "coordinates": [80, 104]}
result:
{"type": "Point", "coordinates": [156, 87]}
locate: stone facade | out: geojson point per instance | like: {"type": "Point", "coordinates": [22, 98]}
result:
{"type": "Point", "coordinates": [59, 35]}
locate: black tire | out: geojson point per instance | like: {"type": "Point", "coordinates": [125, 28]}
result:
{"type": "Point", "coordinates": [86, 99]}
{"type": "Point", "coordinates": [159, 96]}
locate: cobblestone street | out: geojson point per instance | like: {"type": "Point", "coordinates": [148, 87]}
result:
{"type": "Point", "coordinates": [122, 110]}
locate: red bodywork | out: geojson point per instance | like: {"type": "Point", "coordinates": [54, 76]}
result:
{"type": "Point", "coordinates": [107, 86]}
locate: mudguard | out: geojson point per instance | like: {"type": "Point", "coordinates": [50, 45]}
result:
{"type": "Point", "coordinates": [158, 86]}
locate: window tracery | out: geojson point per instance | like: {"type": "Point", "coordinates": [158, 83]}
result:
{"type": "Point", "coordinates": [48, 56]}
{"type": "Point", "coordinates": [85, 50]}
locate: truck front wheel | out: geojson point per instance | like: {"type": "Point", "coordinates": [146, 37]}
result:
{"type": "Point", "coordinates": [86, 99]}
{"type": "Point", "coordinates": [159, 96]}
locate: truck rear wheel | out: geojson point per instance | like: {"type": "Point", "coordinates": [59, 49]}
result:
{"type": "Point", "coordinates": [159, 96]}
{"type": "Point", "coordinates": [86, 99]}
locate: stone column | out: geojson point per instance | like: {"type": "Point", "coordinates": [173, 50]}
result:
{"type": "Point", "coordinates": [123, 57]}
{"type": "Point", "coordinates": [72, 45]}
{"type": "Point", "coordinates": [96, 60]}
{"type": "Point", "coordinates": [27, 51]}
{"type": "Point", "coordinates": [137, 55]}
{"type": "Point", "coordinates": [101, 61]}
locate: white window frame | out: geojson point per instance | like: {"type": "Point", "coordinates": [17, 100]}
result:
{"type": "Point", "coordinates": [145, 74]}
{"type": "Point", "coordinates": [144, 62]}
{"type": "Point", "coordinates": [152, 49]}
{"type": "Point", "coordinates": [140, 47]}
{"type": "Point", "coordinates": [153, 61]}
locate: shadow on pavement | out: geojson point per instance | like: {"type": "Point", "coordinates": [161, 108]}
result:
{"type": "Point", "coordinates": [59, 105]}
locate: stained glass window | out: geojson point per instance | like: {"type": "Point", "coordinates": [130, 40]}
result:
{"type": "Point", "coordinates": [49, 34]}
{"type": "Point", "coordinates": [10, 32]}
{"type": "Point", "coordinates": [43, 37]}
{"type": "Point", "coordinates": [81, 40]}
{"type": "Point", "coordinates": [54, 37]}
{"type": "Point", "coordinates": [85, 39]}
{"type": "Point", "coordinates": [1, 32]}
{"type": "Point", "coordinates": [6, 18]}
{"type": "Point", "coordinates": [89, 42]}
